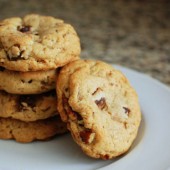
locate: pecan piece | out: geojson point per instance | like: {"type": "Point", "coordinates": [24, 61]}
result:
{"type": "Point", "coordinates": [105, 157]}
{"type": "Point", "coordinates": [24, 29]}
{"type": "Point", "coordinates": [97, 90]}
{"type": "Point", "coordinates": [127, 110]}
{"type": "Point", "coordinates": [101, 103]}
{"type": "Point", "coordinates": [87, 136]}
{"type": "Point", "coordinates": [99, 98]}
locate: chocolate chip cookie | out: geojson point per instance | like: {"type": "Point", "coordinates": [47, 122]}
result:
{"type": "Point", "coordinates": [100, 107]}
{"type": "Point", "coordinates": [37, 42]}
{"type": "Point", "coordinates": [29, 131]}
{"type": "Point", "coordinates": [28, 107]}
{"type": "Point", "coordinates": [27, 82]}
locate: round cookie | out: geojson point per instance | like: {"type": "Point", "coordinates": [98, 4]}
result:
{"type": "Point", "coordinates": [28, 107]}
{"type": "Point", "coordinates": [37, 42]}
{"type": "Point", "coordinates": [29, 131]}
{"type": "Point", "coordinates": [100, 107]}
{"type": "Point", "coordinates": [27, 82]}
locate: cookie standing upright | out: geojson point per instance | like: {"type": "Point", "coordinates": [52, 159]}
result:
{"type": "Point", "coordinates": [100, 107]}
{"type": "Point", "coordinates": [37, 42]}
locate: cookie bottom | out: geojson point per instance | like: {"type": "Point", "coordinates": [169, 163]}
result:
{"type": "Point", "coordinates": [30, 131]}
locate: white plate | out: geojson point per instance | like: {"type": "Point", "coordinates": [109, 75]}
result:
{"type": "Point", "coordinates": [150, 151]}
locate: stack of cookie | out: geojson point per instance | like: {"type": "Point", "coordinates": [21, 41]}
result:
{"type": "Point", "coordinates": [31, 51]}
{"type": "Point", "coordinates": [94, 100]}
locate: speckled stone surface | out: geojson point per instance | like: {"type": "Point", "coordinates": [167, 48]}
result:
{"type": "Point", "coordinates": [135, 34]}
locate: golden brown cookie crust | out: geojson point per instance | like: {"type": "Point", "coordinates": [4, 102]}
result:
{"type": "Point", "coordinates": [63, 83]}
{"type": "Point", "coordinates": [28, 107]}
{"type": "Point", "coordinates": [34, 82]}
{"type": "Point", "coordinates": [101, 108]}
{"type": "Point", "coordinates": [30, 131]}
{"type": "Point", "coordinates": [37, 42]}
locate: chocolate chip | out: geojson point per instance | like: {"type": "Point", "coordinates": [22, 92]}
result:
{"type": "Point", "coordinates": [2, 68]}
{"type": "Point", "coordinates": [24, 29]}
{"type": "Point", "coordinates": [19, 57]}
{"type": "Point", "coordinates": [101, 103]}
{"type": "Point", "coordinates": [25, 101]}
{"type": "Point", "coordinates": [30, 81]}
{"type": "Point", "coordinates": [127, 110]}
{"type": "Point", "coordinates": [29, 100]}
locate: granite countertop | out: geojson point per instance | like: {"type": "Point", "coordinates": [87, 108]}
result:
{"type": "Point", "coordinates": [135, 34]}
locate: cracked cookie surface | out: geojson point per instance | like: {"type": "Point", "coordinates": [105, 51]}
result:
{"type": "Point", "coordinates": [28, 107]}
{"type": "Point", "coordinates": [27, 82]}
{"type": "Point", "coordinates": [30, 131]}
{"type": "Point", "coordinates": [100, 107]}
{"type": "Point", "coordinates": [37, 42]}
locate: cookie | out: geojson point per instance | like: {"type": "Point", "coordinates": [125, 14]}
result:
{"type": "Point", "coordinates": [28, 107]}
{"type": "Point", "coordinates": [27, 82]}
{"type": "Point", "coordinates": [100, 107]}
{"type": "Point", "coordinates": [37, 42]}
{"type": "Point", "coordinates": [30, 131]}
{"type": "Point", "coordinates": [63, 84]}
